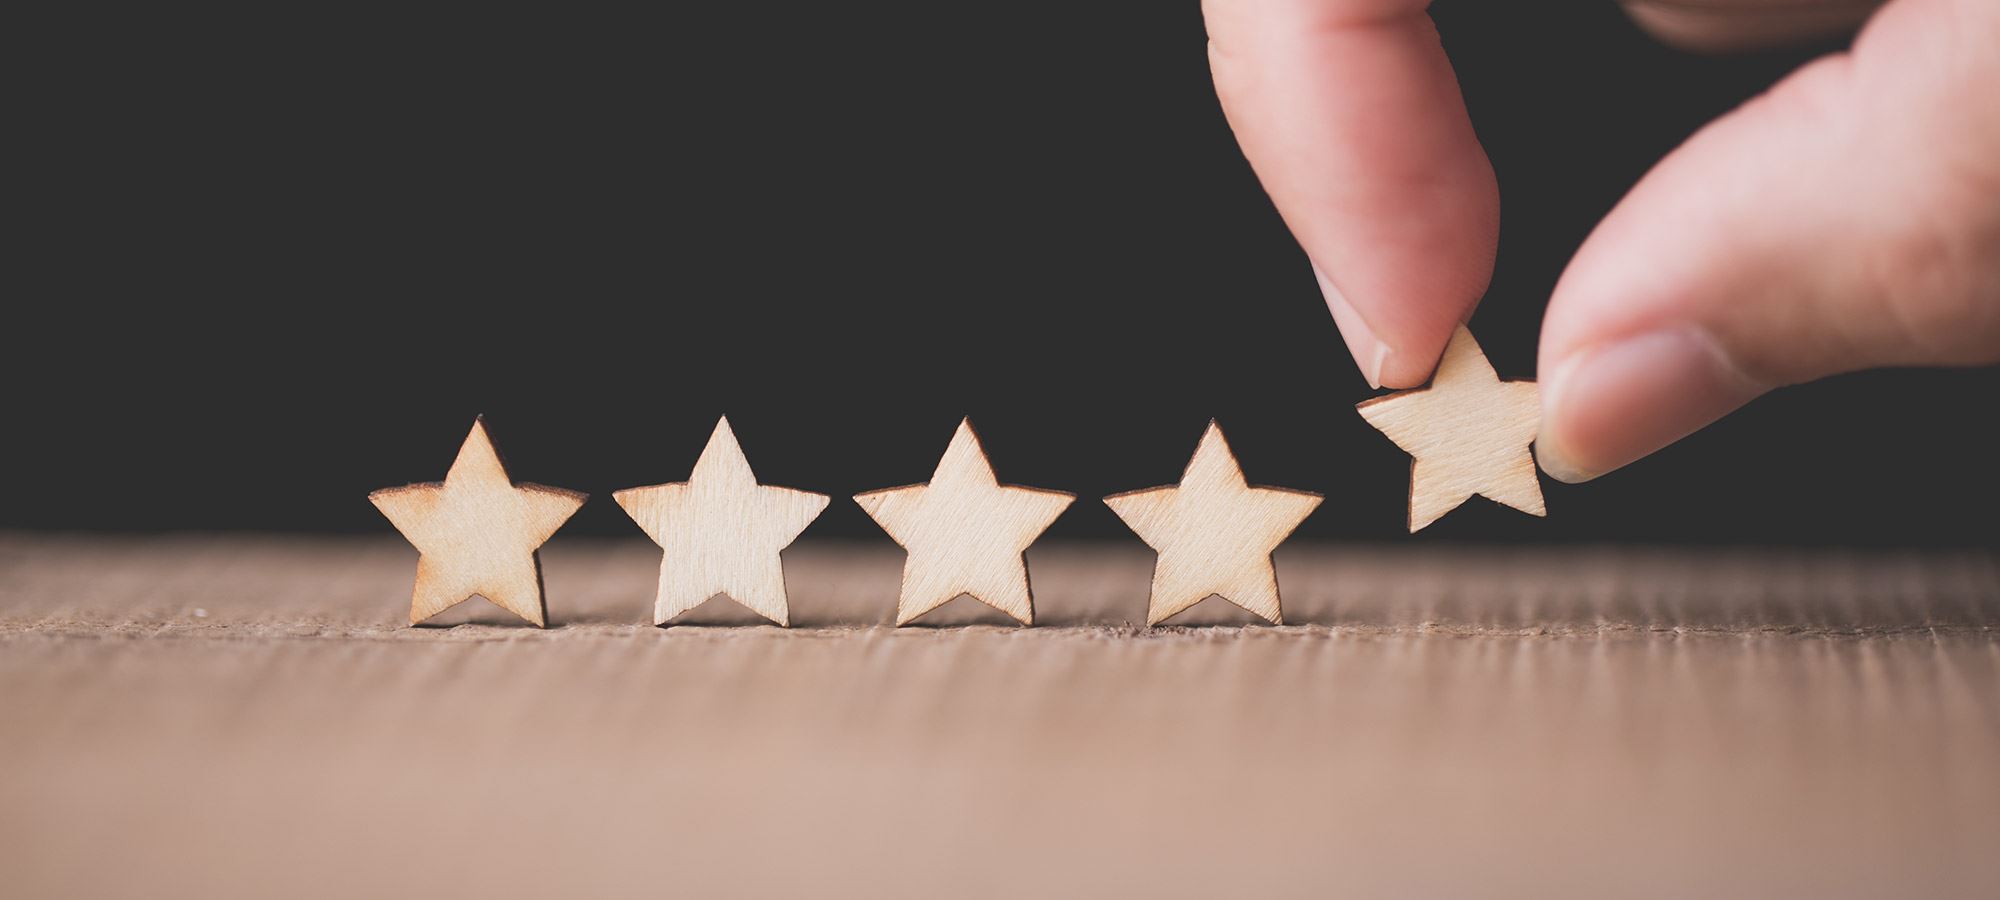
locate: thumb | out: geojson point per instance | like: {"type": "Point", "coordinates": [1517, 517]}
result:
{"type": "Point", "coordinates": [1849, 218]}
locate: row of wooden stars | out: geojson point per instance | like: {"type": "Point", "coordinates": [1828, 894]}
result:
{"type": "Point", "coordinates": [477, 531]}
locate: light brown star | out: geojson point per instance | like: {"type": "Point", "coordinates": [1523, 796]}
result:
{"type": "Point", "coordinates": [1468, 433]}
{"type": "Point", "coordinates": [1214, 533]}
{"type": "Point", "coordinates": [477, 532]}
{"type": "Point", "coordinates": [721, 532]}
{"type": "Point", "coordinates": [965, 532]}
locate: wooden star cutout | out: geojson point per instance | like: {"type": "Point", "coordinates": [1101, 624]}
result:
{"type": "Point", "coordinates": [722, 532]}
{"type": "Point", "coordinates": [1214, 533]}
{"type": "Point", "coordinates": [965, 532]}
{"type": "Point", "coordinates": [477, 532]}
{"type": "Point", "coordinates": [1468, 433]}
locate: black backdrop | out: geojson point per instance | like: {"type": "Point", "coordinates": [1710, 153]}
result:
{"type": "Point", "coordinates": [279, 260]}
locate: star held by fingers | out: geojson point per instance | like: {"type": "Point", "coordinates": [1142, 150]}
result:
{"type": "Point", "coordinates": [965, 532]}
{"type": "Point", "coordinates": [721, 532]}
{"type": "Point", "coordinates": [1214, 533]}
{"type": "Point", "coordinates": [477, 532]}
{"type": "Point", "coordinates": [1467, 433]}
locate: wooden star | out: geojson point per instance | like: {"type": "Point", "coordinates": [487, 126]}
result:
{"type": "Point", "coordinates": [1467, 433]}
{"type": "Point", "coordinates": [1214, 533]}
{"type": "Point", "coordinates": [721, 532]}
{"type": "Point", "coordinates": [477, 532]}
{"type": "Point", "coordinates": [965, 532]}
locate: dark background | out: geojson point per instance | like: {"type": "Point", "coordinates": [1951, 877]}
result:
{"type": "Point", "coordinates": [274, 260]}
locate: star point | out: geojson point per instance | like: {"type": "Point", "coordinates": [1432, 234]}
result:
{"type": "Point", "coordinates": [477, 532]}
{"type": "Point", "coordinates": [1468, 432]}
{"type": "Point", "coordinates": [1214, 533]}
{"type": "Point", "coordinates": [720, 532]}
{"type": "Point", "coordinates": [964, 532]}
{"type": "Point", "coordinates": [1213, 462]}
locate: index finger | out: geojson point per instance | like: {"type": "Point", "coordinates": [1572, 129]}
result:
{"type": "Point", "coordinates": [1351, 116]}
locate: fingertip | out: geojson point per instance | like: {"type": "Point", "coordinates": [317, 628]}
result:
{"type": "Point", "coordinates": [1412, 365]}
{"type": "Point", "coordinates": [1610, 405]}
{"type": "Point", "coordinates": [1558, 466]}
{"type": "Point", "coordinates": [1367, 348]}
{"type": "Point", "coordinates": [1406, 364]}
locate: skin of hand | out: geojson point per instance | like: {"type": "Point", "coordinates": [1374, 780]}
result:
{"type": "Point", "coordinates": [1848, 218]}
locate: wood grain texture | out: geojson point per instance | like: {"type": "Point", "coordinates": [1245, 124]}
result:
{"type": "Point", "coordinates": [965, 532]}
{"type": "Point", "coordinates": [1214, 533]}
{"type": "Point", "coordinates": [238, 716]}
{"type": "Point", "coordinates": [1468, 433]}
{"type": "Point", "coordinates": [342, 588]}
{"type": "Point", "coordinates": [477, 532]}
{"type": "Point", "coordinates": [721, 532]}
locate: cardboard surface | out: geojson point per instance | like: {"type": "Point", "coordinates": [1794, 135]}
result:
{"type": "Point", "coordinates": [246, 717]}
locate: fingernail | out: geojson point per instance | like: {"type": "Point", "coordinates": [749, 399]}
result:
{"type": "Point", "coordinates": [1610, 404]}
{"type": "Point", "coordinates": [1370, 353]}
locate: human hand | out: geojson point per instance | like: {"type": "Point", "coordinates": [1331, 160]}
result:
{"type": "Point", "coordinates": [1848, 218]}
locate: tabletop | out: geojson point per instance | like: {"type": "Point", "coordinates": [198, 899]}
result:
{"type": "Point", "coordinates": [252, 716]}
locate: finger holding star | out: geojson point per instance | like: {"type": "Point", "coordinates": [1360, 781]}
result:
{"type": "Point", "coordinates": [1467, 433]}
